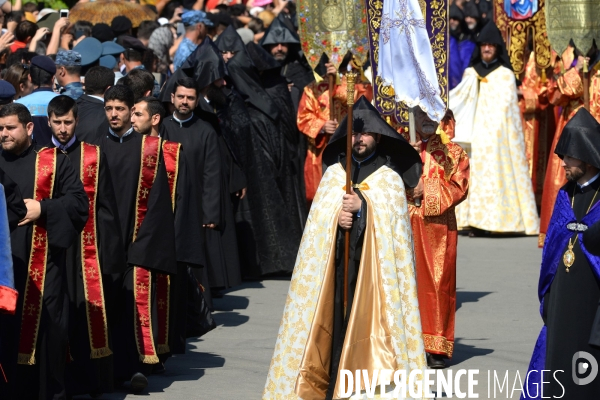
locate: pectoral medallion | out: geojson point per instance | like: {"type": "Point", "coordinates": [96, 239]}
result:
{"type": "Point", "coordinates": [569, 257]}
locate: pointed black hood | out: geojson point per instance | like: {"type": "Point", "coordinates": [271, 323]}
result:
{"type": "Point", "coordinates": [279, 32]}
{"type": "Point", "coordinates": [403, 158]}
{"type": "Point", "coordinates": [207, 63]}
{"type": "Point", "coordinates": [262, 59]}
{"type": "Point", "coordinates": [230, 40]}
{"type": "Point", "coordinates": [456, 13]}
{"type": "Point", "coordinates": [245, 79]}
{"type": "Point", "coordinates": [490, 34]}
{"type": "Point", "coordinates": [580, 139]}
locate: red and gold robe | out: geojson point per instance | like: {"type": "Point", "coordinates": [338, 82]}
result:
{"type": "Point", "coordinates": [313, 112]}
{"type": "Point", "coordinates": [566, 92]}
{"type": "Point", "coordinates": [445, 185]}
{"type": "Point", "coordinates": [539, 124]}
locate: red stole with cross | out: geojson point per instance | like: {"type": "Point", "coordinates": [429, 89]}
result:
{"type": "Point", "coordinates": [45, 173]}
{"type": "Point", "coordinates": [92, 275]}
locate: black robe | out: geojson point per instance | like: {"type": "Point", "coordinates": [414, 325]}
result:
{"type": "Point", "coordinates": [359, 174]}
{"type": "Point", "coordinates": [203, 149]}
{"type": "Point", "coordinates": [154, 247]}
{"type": "Point", "coordinates": [65, 215]}
{"type": "Point", "coordinates": [15, 208]}
{"type": "Point", "coordinates": [92, 119]}
{"type": "Point", "coordinates": [85, 374]}
{"type": "Point", "coordinates": [570, 306]}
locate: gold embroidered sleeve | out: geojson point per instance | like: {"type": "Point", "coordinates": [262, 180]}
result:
{"type": "Point", "coordinates": [443, 193]}
{"type": "Point", "coordinates": [570, 85]}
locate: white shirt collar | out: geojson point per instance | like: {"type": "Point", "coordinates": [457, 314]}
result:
{"type": "Point", "coordinates": [182, 121]}
{"type": "Point", "coordinates": [97, 97]}
{"type": "Point", "coordinates": [124, 135]}
{"type": "Point", "coordinates": [588, 183]}
{"type": "Point", "coordinates": [61, 146]}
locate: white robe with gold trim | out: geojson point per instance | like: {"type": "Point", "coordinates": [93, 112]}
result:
{"type": "Point", "coordinates": [389, 235]}
{"type": "Point", "coordinates": [501, 197]}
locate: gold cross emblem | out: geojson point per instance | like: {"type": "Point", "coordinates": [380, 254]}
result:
{"type": "Point", "coordinates": [31, 309]}
{"type": "Point", "coordinates": [169, 148]}
{"type": "Point", "coordinates": [95, 305]}
{"type": "Point", "coordinates": [169, 175]}
{"type": "Point", "coordinates": [145, 192]}
{"type": "Point", "coordinates": [161, 304]}
{"type": "Point", "coordinates": [39, 238]}
{"type": "Point", "coordinates": [46, 170]}
{"type": "Point", "coordinates": [142, 287]}
{"type": "Point", "coordinates": [35, 275]}
{"type": "Point", "coordinates": [150, 161]}
{"type": "Point", "coordinates": [88, 237]}
{"type": "Point", "coordinates": [91, 171]}
{"type": "Point", "coordinates": [143, 320]}
{"type": "Point", "coordinates": [92, 272]}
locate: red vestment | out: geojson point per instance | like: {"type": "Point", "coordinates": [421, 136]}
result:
{"type": "Point", "coordinates": [313, 112]}
{"type": "Point", "coordinates": [445, 184]}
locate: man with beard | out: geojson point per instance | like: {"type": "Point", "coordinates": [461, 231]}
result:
{"type": "Point", "coordinates": [283, 200]}
{"type": "Point", "coordinates": [146, 118]}
{"type": "Point", "coordinates": [34, 339]}
{"type": "Point", "coordinates": [488, 121]}
{"type": "Point", "coordinates": [461, 46]}
{"type": "Point", "coordinates": [568, 288]}
{"type": "Point", "coordinates": [147, 225]}
{"type": "Point", "coordinates": [91, 259]}
{"type": "Point", "coordinates": [322, 333]}
{"type": "Point", "coordinates": [284, 45]}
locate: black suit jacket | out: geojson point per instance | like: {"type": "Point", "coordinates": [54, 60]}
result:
{"type": "Point", "coordinates": [93, 124]}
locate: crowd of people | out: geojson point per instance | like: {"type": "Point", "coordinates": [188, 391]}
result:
{"type": "Point", "coordinates": [148, 166]}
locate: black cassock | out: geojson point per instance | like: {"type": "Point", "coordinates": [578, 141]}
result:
{"type": "Point", "coordinates": [65, 215]}
{"type": "Point", "coordinates": [92, 119]}
{"type": "Point", "coordinates": [203, 149]}
{"type": "Point", "coordinates": [154, 247]}
{"type": "Point", "coordinates": [86, 374]}
{"type": "Point", "coordinates": [570, 306]}
{"type": "Point", "coordinates": [15, 208]}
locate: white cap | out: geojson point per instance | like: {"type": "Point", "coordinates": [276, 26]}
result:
{"type": "Point", "coordinates": [45, 12]}
{"type": "Point", "coordinates": [162, 21]}
{"type": "Point", "coordinates": [254, 11]}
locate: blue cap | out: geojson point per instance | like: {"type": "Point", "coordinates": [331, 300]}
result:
{"type": "Point", "coordinates": [195, 17]}
{"type": "Point", "coordinates": [45, 63]}
{"type": "Point", "coordinates": [7, 91]}
{"type": "Point", "coordinates": [68, 58]}
{"type": "Point", "coordinates": [90, 50]}
{"type": "Point", "coordinates": [108, 61]}
{"type": "Point", "coordinates": [111, 49]}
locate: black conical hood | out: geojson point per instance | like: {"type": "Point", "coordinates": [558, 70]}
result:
{"type": "Point", "coordinates": [321, 69]}
{"type": "Point", "coordinates": [491, 34]}
{"type": "Point", "coordinates": [207, 63]}
{"type": "Point", "coordinates": [456, 13]}
{"type": "Point", "coordinates": [279, 32]}
{"type": "Point", "coordinates": [230, 40]}
{"type": "Point", "coordinates": [580, 139]}
{"type": "Point", "coordinates": [470, 10]}
{"type": "Point", "coordinates": [262, 59]}
{"type": "Point", "coordinates": [247, 82]}
{"type": "Point", "coordinates": [403, 158]}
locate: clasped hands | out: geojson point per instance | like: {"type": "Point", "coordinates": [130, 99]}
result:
{"type": "Point", "coordinates": [351, 204]}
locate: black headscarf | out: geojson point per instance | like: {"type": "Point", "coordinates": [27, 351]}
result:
{"type": "Point", "coordinates": [261, 58]}
{"type": "Point", "coordinates": [230, 40]}
{"type": "Point", "coordinates": [207, 63]}
{"type": "Point", "coordinates": [402, 157]}
{"type": "Point", "coordinates": [580, 139]}
{"type": "Point", "coordinates": [245, 79]}
{"type": "Point", "coordinates": [490, 34]}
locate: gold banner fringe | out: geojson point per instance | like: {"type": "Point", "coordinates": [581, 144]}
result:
{"type": "Point", "coordinates": [101, 352]}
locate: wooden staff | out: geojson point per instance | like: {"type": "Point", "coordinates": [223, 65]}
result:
{"type": "Point", "coordinates": [331, 92]}
{"type": "Point", "coordinates": [586, 85]}
{"type": "Point", "coordinates": [350, 79]}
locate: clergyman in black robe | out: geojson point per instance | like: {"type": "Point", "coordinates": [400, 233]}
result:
{"type": "Point", "coordinates": [64, 216]}
{"type": "Point", "coordinates": [86, 374]}
{"type": "Point", "coordinates": [154, 246]}
{"type": "Point", "coordinates": [276, 204]}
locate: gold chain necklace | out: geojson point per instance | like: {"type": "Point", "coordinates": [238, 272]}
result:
{"type": "Point", "coordinates": [569, 256]}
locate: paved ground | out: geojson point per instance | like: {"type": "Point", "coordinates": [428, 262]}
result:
{"type": "Point", "coordinates": [496, 326]}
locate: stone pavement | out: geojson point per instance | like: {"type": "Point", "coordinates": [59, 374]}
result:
{"type": "Point", "coordinates": [497, 323]}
